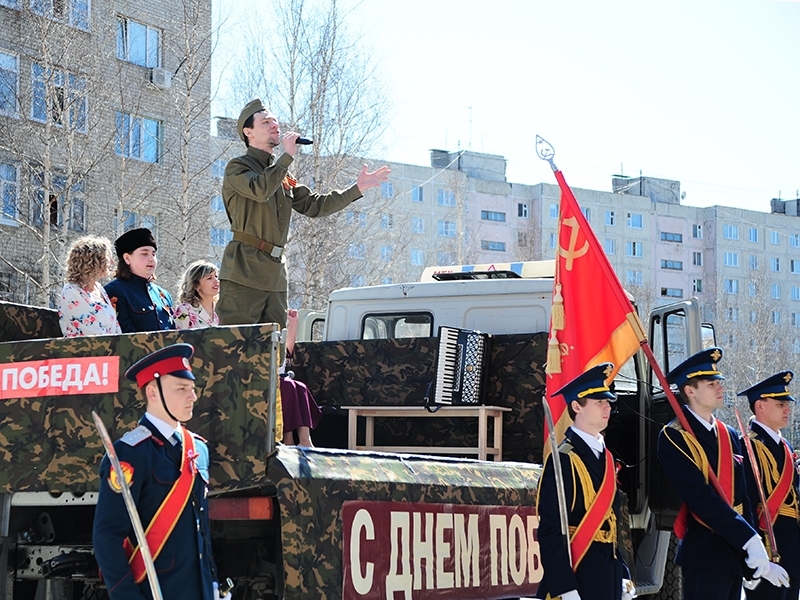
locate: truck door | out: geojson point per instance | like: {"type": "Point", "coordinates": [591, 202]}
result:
{"type": "Point", "coordinates": [675, 333]}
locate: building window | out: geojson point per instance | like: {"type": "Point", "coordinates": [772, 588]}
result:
{"type": "Point", "coordinates": [610, 246]}
{"type": "Point", "coordinates": [587, 212]}
{"type": "Point", "coordinates": [697, 232]}
{"type": "Point", "coordinates": [522, 210]}
{"type": "Point", "coordinates": [776, 291]}
{"type": "Point", "coordinates": [730, 232]}
{"type": "Point", "coordinates": [417, 257]}
{"type": "Point", "coordinates": [731, 286]}
{"type": "Point", "coordinates": [795, 319]}
{"type": "Point", "coordinates": [494, 246]}
{"type": "Point", "coordinates": [795, 292]}
{"type": "Point", "coordinates": [634, 220]}
{"type": "Point", "coordinates": [9, 4]}
{"type": "Point", "coordinates": [776, 317]}
{"type": "Point", "coordinates": [697, 286]}
{"type": "Point", "coordinates": [357, 251]}
{"type": "Point", "coordinates": [731, 259]}
{"type": "Point", "coordinates": [60, 203]}
{"type": "Point", "coordinates": [796, 347]}
{"type": "Point", "coordinates": [794, 266]}
{"type": "Point", "coordinates": [672, 292]}
{"type": "Point", "coordinates": [386, 280]}
{"type": "Point", "coordinates": [794, 240]}
{"type": "Point", "coordinates": [59, 96]}
{"type": "Point", "coordinates": [774, 238]}
{"type": "Point", "coordinates": [697, 259]}
{"type": "Point", "coordinates": [138, 137]}
{"type": "Point", "coordinates": [490, 215]}
{"type": "Point", "coordinates": [446, 258]}
{"type": "Point", "coordinates": [137, 43]}
{"type": "Point", "coordinates": [358, 281]}
{"type": "Point", "coordinates": [666, 236]}
{"type": "Point", "coordinates": [417, 225]}
{"type": "Point", "coordinates": [610, 217]}
{"type": "Point", "coordinates": [9, 194]}
{"type": "Point", "coordinates": [416, 194]}
{"type": "Point", "coordinates": [633, 249]}
{"type": "Point", "coordinates": [446, 198]}
{"type": "Point", "coordinates": [217, 204]}
{"type": "Point", "coordinates": [387, 190]}
{"type": "Point", "coordinates": [752, 288]}
{"type": "Point", "coordinates": [753, 261]}
{"type": "Point", "coordinates": [9, 84]}
{"type": "Point", "coordinates": [752, 234]}
{"type": "Point", "coordinates": [775, 264]}
{"type": "Point", "coordinates": [732, 315]}
{"type": "Point", "coordinates": [523, 239]}
{"type": "Point", "coordinates": [354, 217]}
{"type": "Point", "coordinates": [386, 221]}
{"type": "Point", "coordinates": [446, 229]}
{"type": "Point", "coordinates": [554, 211]}
{"type": "Point", "coordinates": [133, 220]}
{"type": "Point", "coordinates": [633, 277]}
{"type": "Point", "coordinates": [220, 236]}
{"type": "Point", "coordinates": [386, 253]}
{"type": "Point", "coordinates": [218, 168]}
{"type": "Point", "coordinates": [675, 265]}
{"type": "Point", "coordinates": [73, 12]}
{"type": "Point", "coordinates": [553, 240]}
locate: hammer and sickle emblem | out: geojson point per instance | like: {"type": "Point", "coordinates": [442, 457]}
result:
{"type": "Point", "coordinates": [572, 253]}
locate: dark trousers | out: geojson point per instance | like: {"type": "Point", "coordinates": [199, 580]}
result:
{"type": "Point", "coordinates": [710, 584]}
{"type": "Point", "coordinates": [766, 591]}
{"type": "Point", "coordinates": [242, 305]}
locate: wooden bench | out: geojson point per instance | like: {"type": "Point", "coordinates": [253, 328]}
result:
{"type": "Point", "coordinates": [482, 413]}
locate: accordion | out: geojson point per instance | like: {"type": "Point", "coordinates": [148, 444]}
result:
{"type": "Point", "coordinates": [461, 366]}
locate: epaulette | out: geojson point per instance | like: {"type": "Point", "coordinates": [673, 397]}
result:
{"type": "Point", "coordinates": [565, 447]}
{"type": "Point", "coordinates": [675, 424]}
{"type": "Point", "coordinates": [752, 434]}
{"type": "Point", "coordinates": [136, 436]}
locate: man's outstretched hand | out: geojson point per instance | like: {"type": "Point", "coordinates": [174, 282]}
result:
{"type": "Point", "coordinates": [368, 180]}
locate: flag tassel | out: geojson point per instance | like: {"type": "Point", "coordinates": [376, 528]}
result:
{"type": "Point", "coordinates": [553, 355]}
{"type": "Point", "coordinates": [557, 314]}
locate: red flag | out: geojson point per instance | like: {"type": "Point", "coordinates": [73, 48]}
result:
{"type": "Point", "coordinates": [592, 320]}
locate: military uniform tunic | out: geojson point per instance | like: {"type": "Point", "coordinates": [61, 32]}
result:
{"type": "Point", "coordinates": [709, 554]}
{"type": "Point", "coordinates": [258, 204]}
{"type": "Point", "coordinates": [600, 573]}
{"type": "Point", "coordinates": [185, 567]}
{"type": "Point", "coordinates": [786, 526]}
{"type": "Point", "coordinates": [141, 305]}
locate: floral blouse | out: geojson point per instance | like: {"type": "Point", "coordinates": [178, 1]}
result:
{"type": "Point", "coordinates": [86, 313]}
{"type": "Point", "coordinates": [187, 316]}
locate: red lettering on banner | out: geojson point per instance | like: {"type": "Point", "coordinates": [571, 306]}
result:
{"type": "Point", "coordinates": [410, 551]}
{"type": "Point", "coordinates": [59, 377]}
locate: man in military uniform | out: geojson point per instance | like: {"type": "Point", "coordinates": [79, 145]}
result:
{"type": "Point", "coordinates": [259, 195]}
{"type": "Point", "coordinates": [596, 570]}
{"type": "Point", "coordinates": [166, 467]}
{"type": "Point", "coordinates": [771, 404]}
{"type": "Point", "coordinates": [718, 544]}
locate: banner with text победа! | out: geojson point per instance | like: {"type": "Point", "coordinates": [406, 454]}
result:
{"type": "Point", "coordinates": [59, 377]}
{"type": "Point", "coordinates": [445, 551]}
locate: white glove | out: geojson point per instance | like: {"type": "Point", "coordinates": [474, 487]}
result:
{"type": "Point", "coordinates": [750, 584]}
{"type": "Point", "coordinates": [777, 575]}
{"type": "Point", "coordinates": [571, 595]}
{"type": "Point", "coordinates": [628, 590]}
{"type": "Point", "coordinates": [757, 558]}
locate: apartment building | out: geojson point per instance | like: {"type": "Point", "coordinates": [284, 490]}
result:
{"type": "Point", "coordinates": [104, 126]}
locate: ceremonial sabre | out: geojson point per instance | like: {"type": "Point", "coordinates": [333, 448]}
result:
{"type": "Point", "coordinates": [562, 495]}
{"type": "Point", "coordinates": [761, 496]}
{"type": "Point", "coordinates": [141, 539]}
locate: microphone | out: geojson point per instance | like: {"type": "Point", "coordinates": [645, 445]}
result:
{"type": "Point", "coordinates": [303, 141]}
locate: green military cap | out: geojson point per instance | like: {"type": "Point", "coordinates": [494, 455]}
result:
{"type": "Point", "coordinates": [248, 111]}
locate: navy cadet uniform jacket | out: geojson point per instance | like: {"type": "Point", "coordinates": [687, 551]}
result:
{"type": "Point", "coordinates": [600, 573]}
{"type": "Point", "coordinates": [185, 567]}
{"type": "Point", "coordinates": [719, 547]}
{"type": "Point", "coordinates": [141, 305]}
{"type": "Point", "coordinates": [786, 527]}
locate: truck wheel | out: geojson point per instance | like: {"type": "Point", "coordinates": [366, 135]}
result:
{"type": "Point", "coordinates": [672, 588]}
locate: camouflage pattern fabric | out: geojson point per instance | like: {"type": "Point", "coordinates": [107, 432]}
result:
{"type": "Point", "coordinates": [50, 443]}
{"type": "Point", "coordinates": [20, 322]}
{"type": "Point", "coordinates": [397, 373]}
{"type": "Point", "coordinates": [313, 484]}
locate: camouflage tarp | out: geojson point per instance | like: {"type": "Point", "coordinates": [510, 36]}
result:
{"type": "Point", "coordinates": [50, 443]}
{"type": "Point", "coordinates": [20, 322]}
{"type": "Point", "coordinates": [313, 484]}
{"type": "Point", "coordinates": [397, 372]}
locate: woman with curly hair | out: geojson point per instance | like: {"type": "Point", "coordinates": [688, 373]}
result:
{"type": "Point", "coordinates": [197, 294]}
{"type": "Point", "coordinates": [84, 307]}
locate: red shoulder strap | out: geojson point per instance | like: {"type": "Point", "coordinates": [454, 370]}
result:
{"type": "Point", "coordinates": [596, 513]}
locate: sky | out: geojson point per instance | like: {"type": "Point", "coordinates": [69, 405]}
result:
{"type": "Point", "coordinates": [706, 92]}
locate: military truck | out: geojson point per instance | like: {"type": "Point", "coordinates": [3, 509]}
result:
{"type": "Point", "coordinates": [322, 522]}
